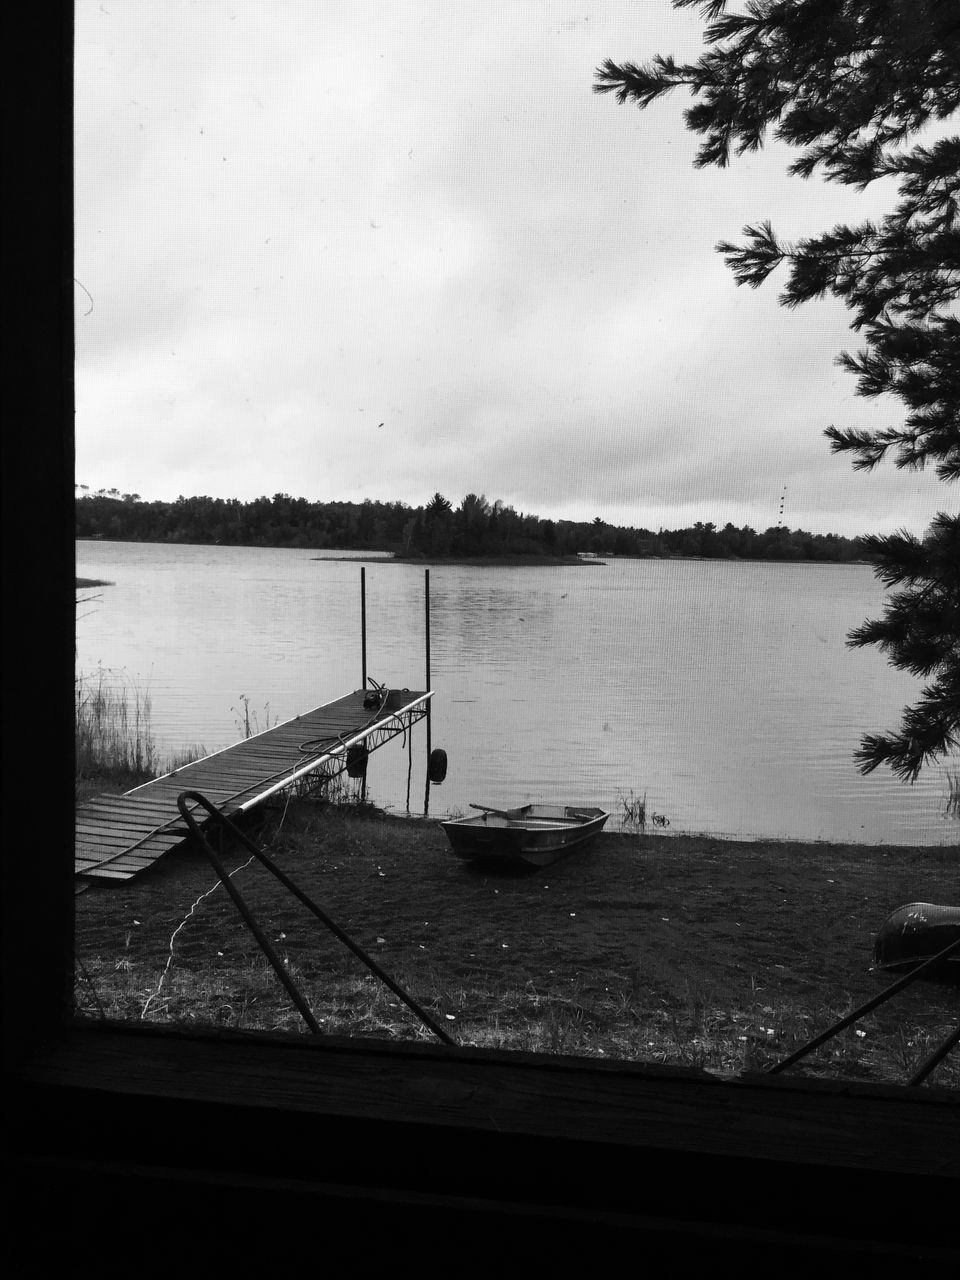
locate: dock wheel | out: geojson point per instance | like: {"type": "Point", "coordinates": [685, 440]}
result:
{"type": "Point", "coordinates": [437, 765]}
{"type": "Point", "coordinates": [357, 757]}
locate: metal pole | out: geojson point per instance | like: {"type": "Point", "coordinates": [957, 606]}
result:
{"type": "Point", "coordinates": [363, 624]}
{"type": "Point", "coordinates": [426, 609]}
{"type": "Point", "coordinates": [409, 765]}
{"type": "Point", "coordinates": [363, 655]}
{"type": "Point", "coordinates": [298, 893]}
{"type": "Point", "coordinates": [936, 1057]}
{"type": "Point", "coordinates": [928, 966]}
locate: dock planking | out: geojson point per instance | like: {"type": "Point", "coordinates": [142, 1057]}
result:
{"type": "Point", "coordinates": [118, 836]}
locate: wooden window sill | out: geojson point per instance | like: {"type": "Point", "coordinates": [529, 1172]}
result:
{"type": "Point", "coordinates": [650, 1150]}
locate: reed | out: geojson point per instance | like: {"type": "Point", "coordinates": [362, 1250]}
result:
{"type": "Point", "coordinates": [247, 720]}
{"type": "Point", "coordinates": [634, 811]}
{"type": "Point", "coordinates": [186, 755]}
{"type": "Point", "coordinates": [951, 808]}
{"type": "Point", "coordinates": [634, 814]}
{"type": "Point", "coordinates": [113, 736]}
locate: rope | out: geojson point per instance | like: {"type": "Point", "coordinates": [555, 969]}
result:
{"type": "Point", "coordinates": [319, 745]}
{"type": "Point", "coordinates": [206, 894]}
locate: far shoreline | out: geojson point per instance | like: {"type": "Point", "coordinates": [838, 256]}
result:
{"type": "Point", "coordinates": [375, 556]}
{"type": "Point", "coordinates": [484, 561]}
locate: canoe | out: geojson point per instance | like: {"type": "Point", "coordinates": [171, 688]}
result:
{"type": "Point", "coordinates": [915, 932]}
{"type": "Point", "coordinates": [532, 834]}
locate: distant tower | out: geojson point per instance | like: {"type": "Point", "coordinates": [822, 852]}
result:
{"type": "Point", "coordinates": [783, 498]}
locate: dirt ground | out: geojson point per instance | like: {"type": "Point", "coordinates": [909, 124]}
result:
{"type": "Point", "coordinates": [719, 954]}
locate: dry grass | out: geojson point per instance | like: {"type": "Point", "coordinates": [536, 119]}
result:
{"type": "Point", "coordinates": [113, 737]}
{"type": "Point", "coordinates": [114, 747]}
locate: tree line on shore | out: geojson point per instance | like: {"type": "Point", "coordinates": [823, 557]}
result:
{"type": "Point", "coordinates": [475, 528]}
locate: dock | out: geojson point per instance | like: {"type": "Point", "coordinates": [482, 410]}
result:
{"type": "Point", "coordinates": [118, 836]}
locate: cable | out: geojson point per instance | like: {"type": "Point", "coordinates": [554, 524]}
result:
{"type": "Point", "coordinates": [318, 745]}
{"type": "Point", "coordinates": [205, 894]}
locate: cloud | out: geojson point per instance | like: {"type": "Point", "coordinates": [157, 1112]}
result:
{"type": "Point", "coordinates": [297, 222]}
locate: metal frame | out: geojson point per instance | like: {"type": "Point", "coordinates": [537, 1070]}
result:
{"type": "Point", "coordinates": [379, 733]}
{"type": "Point", "coordinates": [194, 798]}
{"type": "Point", "coordinates": [924, 971]}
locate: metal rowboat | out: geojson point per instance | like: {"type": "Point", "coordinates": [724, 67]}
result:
{"type": "Point", "coordinates": [532, 834]}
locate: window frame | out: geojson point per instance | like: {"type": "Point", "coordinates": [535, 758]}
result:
{"type": "Point", "coordinates": [428, 1140]}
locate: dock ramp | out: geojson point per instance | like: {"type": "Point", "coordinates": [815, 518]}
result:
{"type": "Point", "coordinates": [118, 836]}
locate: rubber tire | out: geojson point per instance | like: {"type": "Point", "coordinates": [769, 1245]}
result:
{"type": "Point", "coordinates": [357, 757]}
{"type": "Point", "coordinates": [437, 765]}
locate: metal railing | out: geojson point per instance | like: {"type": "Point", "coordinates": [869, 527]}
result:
{"type": "Point", "coordinates": [282, 973]}
{"type": "Point", "coordinates": [927, 967]}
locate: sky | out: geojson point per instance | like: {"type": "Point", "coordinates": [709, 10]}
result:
{"type": "Point", "coordinates": [385, 248]}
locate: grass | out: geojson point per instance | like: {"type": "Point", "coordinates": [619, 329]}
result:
{"type": "Point", "coordinates": [186, 755]}
{"type": "Point", "coordinates": [951, 805]}
{"type": "Point", "coordinates": [114, 744]}
{"type": "Point", "coordinates": [112, 728]}
{"type": "Point", "coordinates": [718, 955]}
{"type": "Point", "coordinates": [247, 720]}
{"type": "Point", "coordinates": [634, 814]}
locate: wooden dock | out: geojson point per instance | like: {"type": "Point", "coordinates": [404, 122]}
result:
{"type": "Point", "coordinates": [119, 836]}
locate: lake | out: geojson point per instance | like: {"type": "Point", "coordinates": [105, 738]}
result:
{"type": "Point", "coordinates": [721, 691]}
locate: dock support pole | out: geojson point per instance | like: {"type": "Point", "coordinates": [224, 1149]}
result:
{"type": "Point", "coordinates": [363, 626]}
{"type": "Point", "coordinates": [426, 610]}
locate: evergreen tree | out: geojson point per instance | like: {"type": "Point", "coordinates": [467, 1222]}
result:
{"type": "Point", "coordinates": [850, 83]}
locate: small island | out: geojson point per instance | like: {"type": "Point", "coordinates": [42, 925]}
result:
{"type": "Point", "coordinates": [488, 560]}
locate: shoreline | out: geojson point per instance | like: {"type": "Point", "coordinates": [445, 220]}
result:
{"type": "Point", "coordinates": [374, 556]}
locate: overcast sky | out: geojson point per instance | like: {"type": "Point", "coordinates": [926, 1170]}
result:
{"type": "Point", "coordinates": [379, 248]}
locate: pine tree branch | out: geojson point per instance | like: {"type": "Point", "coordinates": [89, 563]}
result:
{"type": "Point", "coordinates": [849, 83]}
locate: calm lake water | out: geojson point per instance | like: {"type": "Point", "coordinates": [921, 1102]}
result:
{"type": "Point", "coordinates": [721, 691]}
